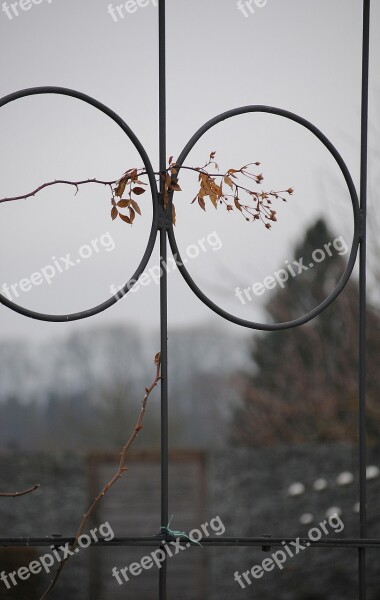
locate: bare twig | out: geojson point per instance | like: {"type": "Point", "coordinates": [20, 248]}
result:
{"type": "Point", "coordinates": [118, 474]}
{"type": "Point", "coordinates": [17, 494]}
{"type": "Point", "coordinates": [56, 182]}
{"type": "Point", "coordinates": [210, 186]}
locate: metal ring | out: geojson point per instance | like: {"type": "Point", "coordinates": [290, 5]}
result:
{"type": "Point", "coordinates": [355, 205]}
{"type": "Point", "coordinates": [149, 169]}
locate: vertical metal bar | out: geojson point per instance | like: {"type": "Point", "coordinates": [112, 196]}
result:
{"type": "Point", "coordinates": [163, 292]}
{"type": "Point", "coordinates": [363, 298]}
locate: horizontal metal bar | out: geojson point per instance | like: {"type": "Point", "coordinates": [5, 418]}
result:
{"type": "Point", "coordinates": [210, 541]}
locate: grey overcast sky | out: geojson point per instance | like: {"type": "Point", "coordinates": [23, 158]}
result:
{"type": "Point", "coordinates": [301, 55]}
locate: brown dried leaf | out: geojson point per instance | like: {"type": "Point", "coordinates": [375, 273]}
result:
{"type": "Point", "coordinates": [132, 214]}
{"type": "Point", "coordinates": [214, 199]}
{"type": "Point", "coordinates": [174, 219]}
{"type": "Point", "coordinates": [228, 181]}
{"type": "Point", "coordinates": [114, 213]}
{"type": "Point", "coordinates": [135, 206]}
{"type": "Point", "coordinates": [138, 191]}
{"type": "Point", "coordinates": [125, 219]}
{"type": "Point", "coordinates": [123, 203]}
{"type": "Point", "coordinates": [120, 189]}
{"type": "Point", "coordinates": [237, 204]}
{"type": "Point", "coordinates": [202, 203]}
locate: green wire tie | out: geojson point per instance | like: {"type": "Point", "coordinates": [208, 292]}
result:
{"type": "Point", "coordinates": [171, 532]}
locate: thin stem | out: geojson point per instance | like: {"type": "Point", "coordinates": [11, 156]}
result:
{"type": "Point", "coordinates": [118, 474]}
{"type": "Point", "coordinates": [17, 494]}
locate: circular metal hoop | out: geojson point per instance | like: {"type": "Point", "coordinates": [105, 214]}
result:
{"type": "Point", "coordinates": [355, 206]}
{"type": "Point", "coordinates": [149, 169]}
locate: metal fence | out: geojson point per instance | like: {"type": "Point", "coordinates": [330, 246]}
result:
{"type": "Point", "coordinates": [162, 227]}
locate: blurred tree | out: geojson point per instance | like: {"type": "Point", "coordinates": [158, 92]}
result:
{"type": "Point", "coordinates": [305, 382]}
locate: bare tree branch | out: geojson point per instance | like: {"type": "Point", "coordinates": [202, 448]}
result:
{"type": "Point", "coordinates": [17, 494]}
{"type": "Point", "coordinates": [118, 474]}
{"type": "Point", "coordinates": [76, 184]}
{"type": "Point", "coordinates": [210, 186]}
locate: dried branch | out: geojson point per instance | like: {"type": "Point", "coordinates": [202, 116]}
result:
{"type": "Point", "coordinates": [252, 204]}
{"type": "Point", "coordinates": [56, 182]}
{"type": "Point", "coordinates": [118, 474]}
{"type": "Point", "coordinates": [17, 494]}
